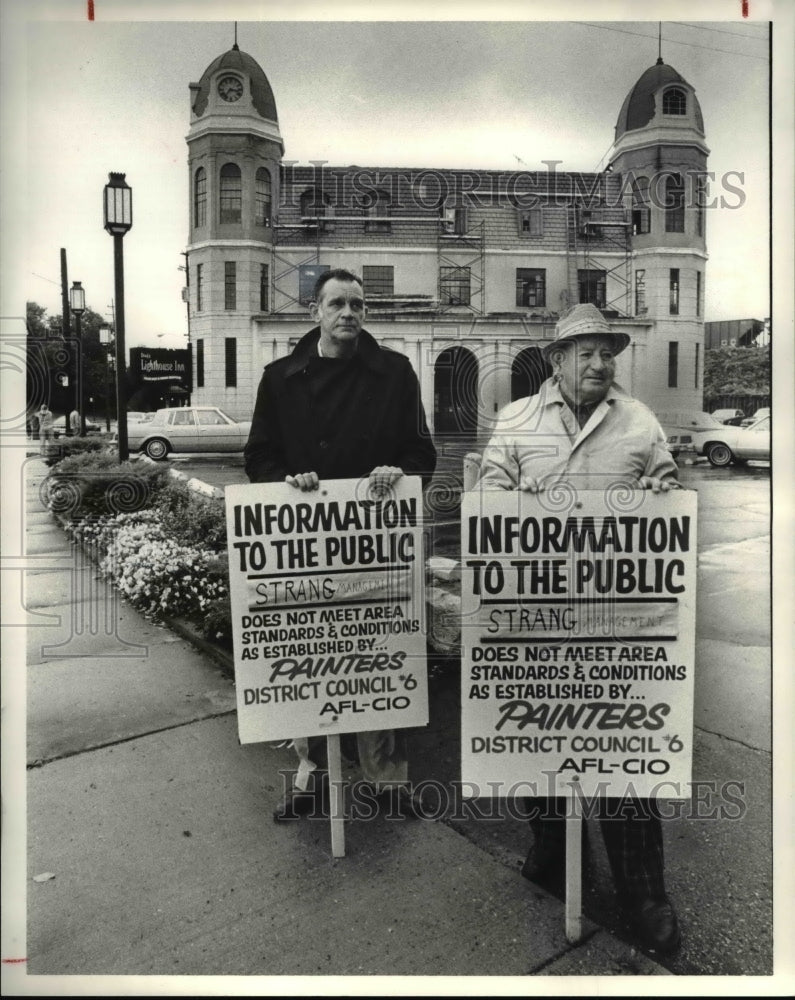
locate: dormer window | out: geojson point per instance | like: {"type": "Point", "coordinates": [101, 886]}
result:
{"type": "Point", "coordinates": [316, 209]}
{"type": "Point", "coordinates": [674, 101]}
{"type": "Point", "coordinates": [454, 217]}
{"type": "Point", "coordinates": [378, 212]}
{"type": "Point", "coordinates": [530, 222]}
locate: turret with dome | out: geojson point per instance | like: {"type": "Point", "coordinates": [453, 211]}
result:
{"type": "Point", "coordinates": [660, 153]}
{"type": "Point", "coordinates": [235, 150]}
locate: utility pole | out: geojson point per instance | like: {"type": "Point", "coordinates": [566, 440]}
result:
{"type": "Point", "coordinates": [65, 326]}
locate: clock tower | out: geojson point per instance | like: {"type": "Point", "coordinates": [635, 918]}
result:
{"type": "Point", "coordinates": [234, 156]}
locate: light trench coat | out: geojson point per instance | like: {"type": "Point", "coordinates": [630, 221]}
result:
{"type": "Point", "coordinates": [538, 437]}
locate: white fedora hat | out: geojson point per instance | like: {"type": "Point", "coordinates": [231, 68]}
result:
{"type": "Point", "coordinates": [585, 320]}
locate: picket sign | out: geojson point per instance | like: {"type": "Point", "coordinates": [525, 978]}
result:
{"type": "Point", "coordinates": [328, 614]}
{"type": "Point", "coordinates": [578, 649]}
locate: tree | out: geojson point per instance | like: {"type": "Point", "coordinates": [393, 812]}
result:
{"type": "Point", "coordinates": [51, 361]}
{"type": "Point", "coordinates": [736, 371]}
{"type": "Point", "coordinates": [34, 320]}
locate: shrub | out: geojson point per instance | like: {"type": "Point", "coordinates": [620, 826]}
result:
{"type": "Point", "coordinates": [216, 622]}
{"type": "Point", "coordinates": [191, 517]}
{"type": "Point", "coordinates": [66, 447]}
{"type": "Point", "coordinates": [94, 483]}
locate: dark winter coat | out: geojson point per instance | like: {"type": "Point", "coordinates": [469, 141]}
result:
{"type": "Point", "coordinates": [338, 422]}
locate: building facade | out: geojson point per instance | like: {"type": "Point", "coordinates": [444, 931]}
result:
{"type": "Point", "coordinates": [465, 271]}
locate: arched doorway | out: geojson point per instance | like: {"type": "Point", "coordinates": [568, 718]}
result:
{"type": "Point", "coordinates": [528, 371]}
{"type": "Point", "coordinates": [455, 392]}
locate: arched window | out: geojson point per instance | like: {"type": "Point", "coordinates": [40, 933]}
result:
{"type": "Point", "coordinates": [262, 197]}
{"type": "Point", "coordinates": [641, 213]}
{"type": "Point", "coordinates": [231, 193]}
{"type": "Point", "coordinates": [675, 204]}
{"type": "Point", "coordinates": [378, 212]}
{"type": "Point", "coordinates": [674, 102]}
{"type": "Point", "coordinates": [200, 197]}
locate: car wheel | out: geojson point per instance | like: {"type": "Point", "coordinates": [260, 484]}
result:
{"type": "Point", "coordinates": [719, 454]}
{"type": "Point", "coordinates": [156, 449]}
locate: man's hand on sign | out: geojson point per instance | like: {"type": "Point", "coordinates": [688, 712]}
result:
{"type": "Point", "coordinates": [382, 477]}
{"type": "Point", "coordinates": [530, 484]}
{"type": "Point", "coordinates": [304, 481]}
{"type": "Point", "coordinates": [658, 485]}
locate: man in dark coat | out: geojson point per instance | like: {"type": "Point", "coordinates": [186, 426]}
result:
{"type": "Point", "coordinates": [340, 407]}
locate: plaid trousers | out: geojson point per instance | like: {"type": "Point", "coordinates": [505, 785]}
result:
{"type": "Point", "coordinates": [632, 833]}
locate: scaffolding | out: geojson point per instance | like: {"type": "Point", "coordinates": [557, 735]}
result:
{"type": "Point", "coordinates": [584, 229]}
{"type": "Point", "coordinates": [289, 265]}
{"type": "Point", "coordinates": [463, 250]}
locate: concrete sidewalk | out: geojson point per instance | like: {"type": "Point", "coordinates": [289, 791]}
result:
{"type": "Point", "coordinates": [155, 825]}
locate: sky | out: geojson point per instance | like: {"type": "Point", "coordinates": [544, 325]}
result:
{"type": "Point", "coordinates": [85, 98]}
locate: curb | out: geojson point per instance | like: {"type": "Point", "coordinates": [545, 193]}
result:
{"type": "Point", "coordinates": [218, 654]}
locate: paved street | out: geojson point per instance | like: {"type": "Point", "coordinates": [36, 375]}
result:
{"type": "Point", "coordinates": [156, 824]}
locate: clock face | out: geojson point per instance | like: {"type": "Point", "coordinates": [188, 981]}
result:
{"type": "Point", "coordinates": [230, 88]}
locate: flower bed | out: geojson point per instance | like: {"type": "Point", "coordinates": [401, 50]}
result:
{"type": "Point", "coordinates": [161, 544]}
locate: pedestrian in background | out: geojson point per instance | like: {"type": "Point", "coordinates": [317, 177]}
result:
{"type": "Point", "coordinates": [583, 429]}
{"type": "Point", "coordinates": [340, 406]}
{"type": "Point", "coordinates": [46, 428]}
{"type": "Point", "coordinates": [74, 423]}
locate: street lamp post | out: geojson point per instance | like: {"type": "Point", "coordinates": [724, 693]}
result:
{"type": "Point", "coordinates": [105, 340]}
{"type": "Point", "coordinates": [117, 206]}
{"type": "Point", "coordinates": [77, 304]}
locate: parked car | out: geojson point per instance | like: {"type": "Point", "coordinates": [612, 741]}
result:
{"type": "Point", "coordinates": [735, 444]}
{"type": "Point", "coordinates": [763, 411]}
{"type": "Point", "coordinates": [681, 425]}
{"type": "Point", "coordinates": [187, 429]}
{"type": "Point", "coordinates": [59, 427]}
{"type": "Point", "coordinates": [731, 417]}
{"type": "Point", "coordinates": [139, 417]}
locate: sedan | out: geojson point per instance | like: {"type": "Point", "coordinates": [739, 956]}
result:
{"type": "Point", "coordinates": [735, 444]}
{"type": "Point", "coordinates": [730, 417]}
{"type": "Point", "coordinates": [59, 427]}
{"type": "Point", "coordinates": [681, 425]}
{"type": "Point", "coordinates": [763, 411]}
{"type": "Point", "coordinates": [188, 429]}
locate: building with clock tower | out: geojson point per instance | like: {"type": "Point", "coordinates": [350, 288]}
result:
{"type": "Point", "coordinates": [465, 271]}
{"type": "Point", "coordinates": [235, 150]}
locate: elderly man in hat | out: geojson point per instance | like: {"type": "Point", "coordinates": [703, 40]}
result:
{"type": "Point", "coordinates": [581, 426]}
{"type": "Point", "coordinates": [583, 429]}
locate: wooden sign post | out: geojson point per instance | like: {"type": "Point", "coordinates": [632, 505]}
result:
{"type": "Point", "coordinates": [577, 649]}
{"type": "Point", "coordinates": [328, 614]}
